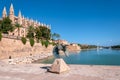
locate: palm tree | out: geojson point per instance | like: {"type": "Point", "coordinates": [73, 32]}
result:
{"type": "Point", "coordinates": [55, 36]}
{"type": "Point", "coordinates": [58, 36]}
{"type": "Point", "coordinates": [18, 26]}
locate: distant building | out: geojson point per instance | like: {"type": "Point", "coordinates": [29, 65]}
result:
{"type": "Point", "coordinates": [24, 22]}
{"type": "Point", "coordinates": [61, 42]}
{"type": "Point", "coordinates": [74, 44]}
{"type": "Point", "coordinates": [73, 47]}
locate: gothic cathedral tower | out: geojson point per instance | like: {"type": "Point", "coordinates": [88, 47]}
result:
{"type": "Point", "coordinates": [19, 18]}
{"type": "Point", "coordinates": [11, 14]}
{"type": "Point", "coordinates": [4, 14]}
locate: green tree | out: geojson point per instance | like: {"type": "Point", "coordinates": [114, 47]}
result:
{"type": "Point", "coordinates": [46, 33]}
{"type": "Point", "coordinates": [30, 33]}
{"type": "Point", "coordinates": [38, 34]}
{"type": "Point", "coordinates": [55, 36]}
{"type": "Point", "coordinates": [18, 26]}
{"type": "Point", "coordinates": [6, 25]}
{"type": "Point", "coordinates": [58, 36]}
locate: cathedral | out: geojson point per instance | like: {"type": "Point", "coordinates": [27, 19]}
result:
{"type": "Point", "coordinates": [24, 22]}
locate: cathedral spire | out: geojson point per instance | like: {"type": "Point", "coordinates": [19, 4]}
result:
{"type": "Point", "coordinates": [11, 7]}
{"type": "Point", "coordinates": [19, 14]}
{"type": "Point", "coordinates": [19, 17]}
{"type": "Point", "coordinates": [4, 14]}
{"type": "Point", "coordinates": [11, 14]}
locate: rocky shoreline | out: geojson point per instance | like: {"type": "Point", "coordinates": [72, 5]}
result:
{"type": "Point", "coordinates": [27, 59]}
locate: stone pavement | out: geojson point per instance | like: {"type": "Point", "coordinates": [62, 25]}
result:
{"type": "Point", "coordinates": [39, 72]}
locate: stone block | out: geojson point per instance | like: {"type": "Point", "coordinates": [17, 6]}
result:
{"type": "Point", "coordinates": [59, 66]}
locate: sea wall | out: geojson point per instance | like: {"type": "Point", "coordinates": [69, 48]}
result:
{"type": "Point", "coordinates": [13, 51]}
{"type": "Point", "coordinates": [72, 48]}
{"type": "Point", "coordinates": [15, 48]}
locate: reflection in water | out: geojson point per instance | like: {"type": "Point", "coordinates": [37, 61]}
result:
{"type": "Point", "coordinates": [74, 52]}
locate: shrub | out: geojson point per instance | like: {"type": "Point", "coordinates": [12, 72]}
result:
{"type": "Point", "coordinates": [46, 43]}
{"type": "Point", "coordinates": [52, 43]}
{"type": "Point", "coordinates": [32, 42]}
{"type": "Point", "coordinates": [23, 39]}
{"type": "Point", "coordinates": [42, 42]}
{"type": "Point", "coordinates": [0, 36]}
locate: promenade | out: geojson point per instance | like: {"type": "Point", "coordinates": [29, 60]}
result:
{"type": "Point", "coordinates": [39, 72]}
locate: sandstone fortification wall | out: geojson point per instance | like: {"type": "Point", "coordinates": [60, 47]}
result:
{"type": "Point", "coordinates": [15, 48]}
{"type": "Point", "coordinates": [72, 48]}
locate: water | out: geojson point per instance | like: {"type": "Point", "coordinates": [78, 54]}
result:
{"type": "Point", "coordinates": [90, 57]}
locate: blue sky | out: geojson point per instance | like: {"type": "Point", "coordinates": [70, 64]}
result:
{"type": "Point", "coordinates": [78, 21]}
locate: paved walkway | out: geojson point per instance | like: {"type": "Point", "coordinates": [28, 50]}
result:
{"type": "Point", "coordinates": [39, 72]}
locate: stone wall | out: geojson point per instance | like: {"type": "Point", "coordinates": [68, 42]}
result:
{"type": "Point", "coordinates": [72, 48]}
{"type": "Point", "coordinates": [15, 49]}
